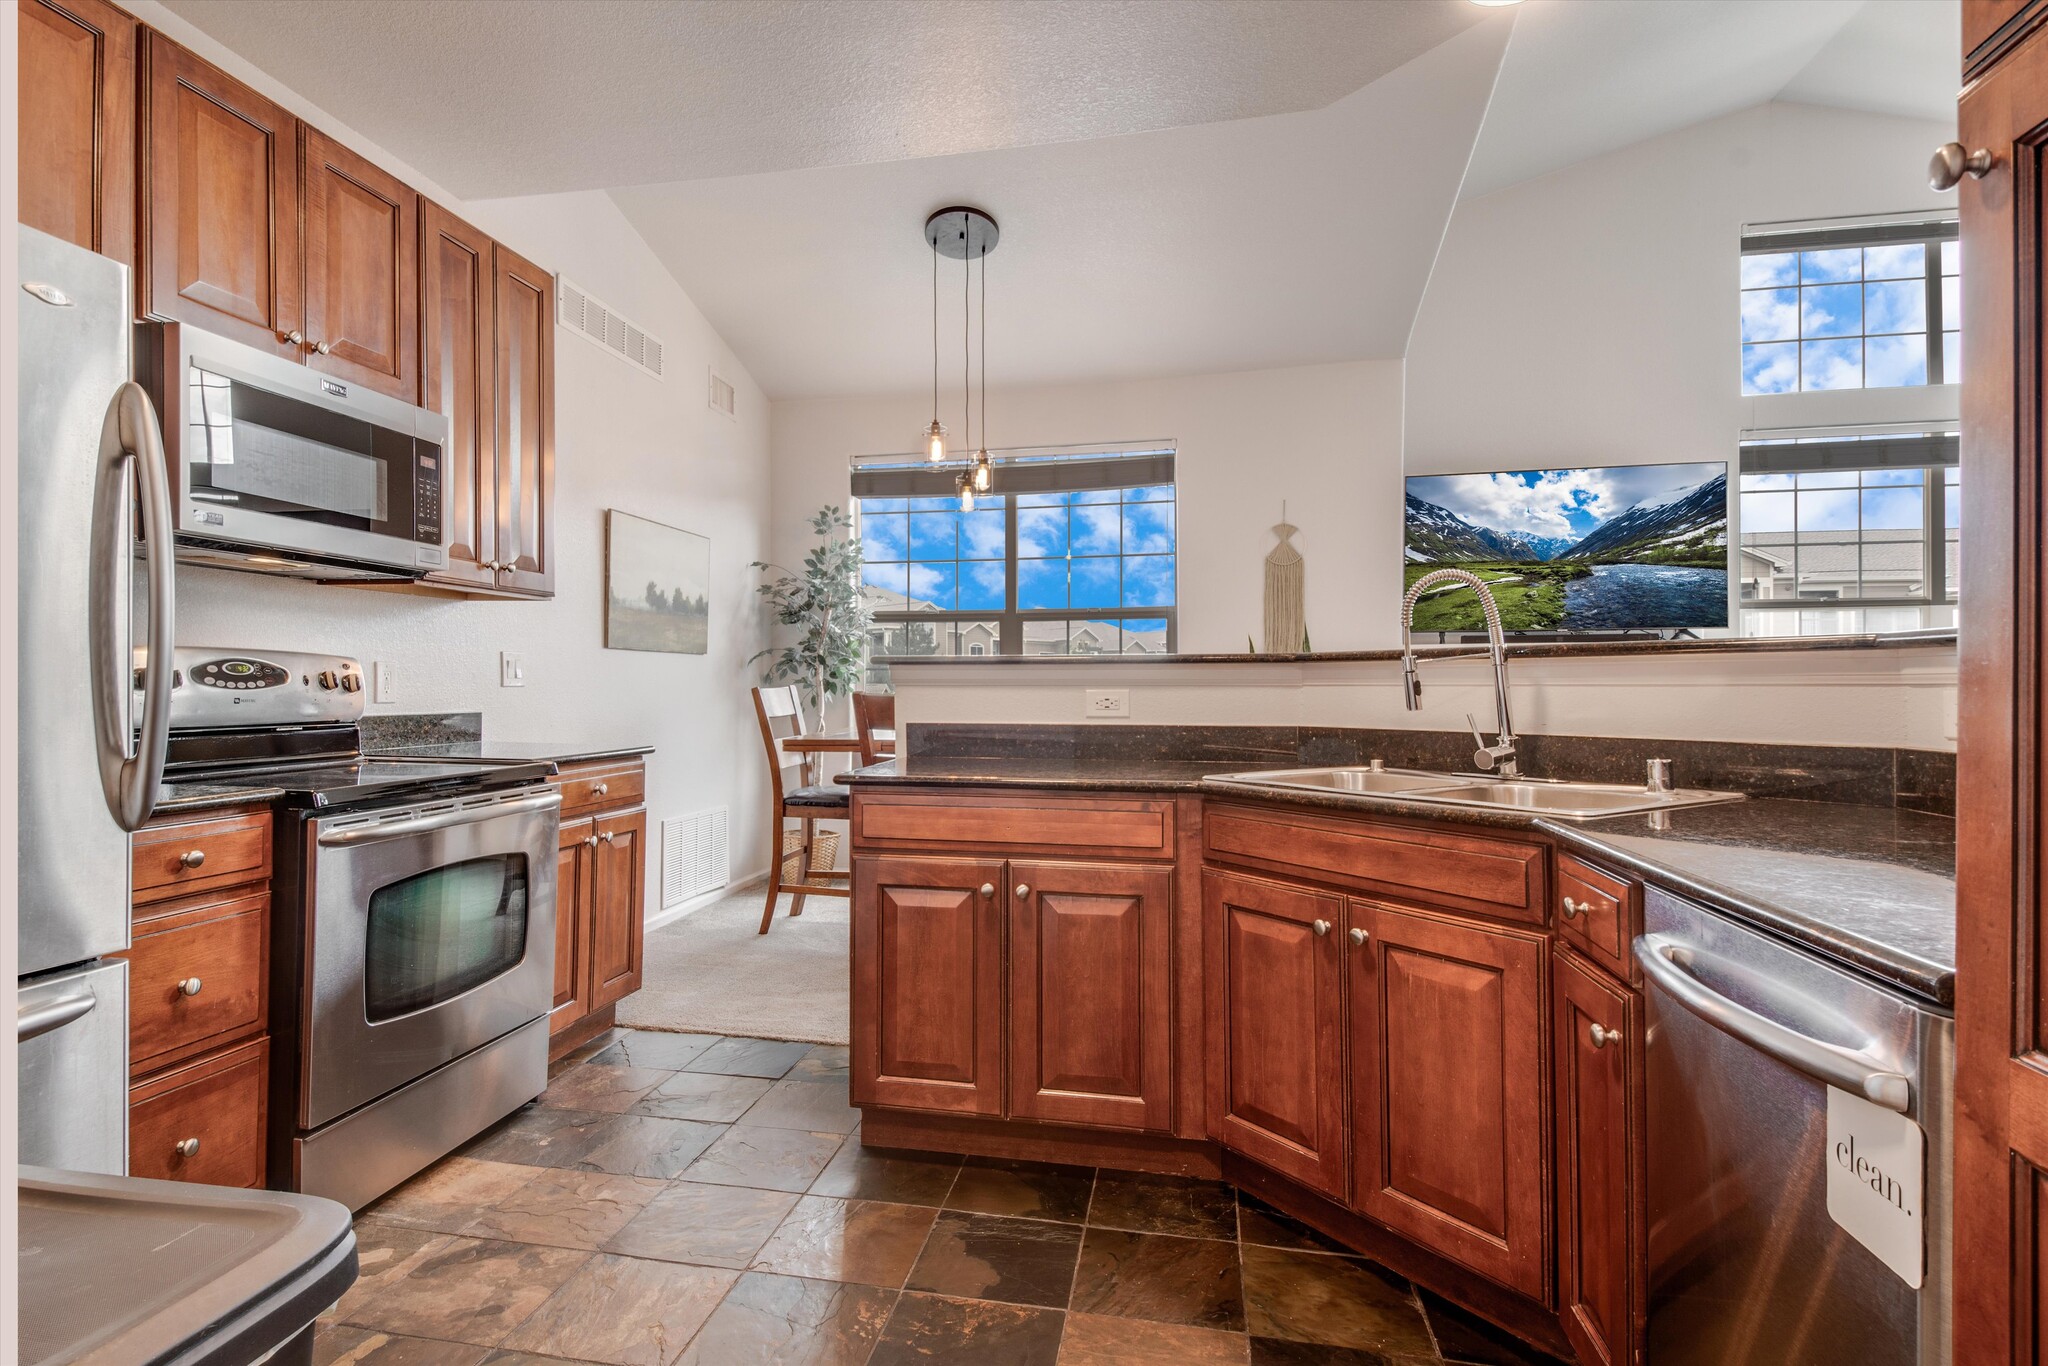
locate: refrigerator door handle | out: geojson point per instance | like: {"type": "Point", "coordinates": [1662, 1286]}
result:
{"type": "Point", "coordinates": [1663, 959]}
{"type": "Point", "coordinates": [130, 771]}
{"type": "Point", "coordinates": [32, 1022]}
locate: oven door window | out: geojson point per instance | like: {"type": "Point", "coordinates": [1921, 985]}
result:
{"type": "Point", "coordinates": [440, 933]}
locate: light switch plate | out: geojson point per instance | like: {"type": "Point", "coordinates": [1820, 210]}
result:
{"type": "Point", "coordinates": [511, 669]}
{"type": "Point", "coordinates": [1108, 702]}
{"type": "Point", "coordinates": [382, 687]}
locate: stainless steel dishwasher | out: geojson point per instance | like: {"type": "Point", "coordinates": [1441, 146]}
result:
{"type": "Point", "coordinates": [1746, 1037]}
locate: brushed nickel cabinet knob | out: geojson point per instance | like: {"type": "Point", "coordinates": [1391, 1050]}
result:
{"type": "Point", "coordinates": [187, 1147]}
{"type": "Point", "coordinates": [192, 858]}
{"type": "Point", "coordinates": [988, 889]}
{"type": "Point", "coordinates": [1322, 927]}
{"type": "Point", "coordinates": [1572, 908]}
{"type": "Point", "coordinates": [590, 840]}
{"type": "Point", "coordinates": [1951, 162]}
{"type": "Point", "coordinates": [322, 347]}
{"type": "Point", "coordinates": [1603, 1036]}
{"type": "Point", "coordinates": [1359, 936]}
{"type": "Point", "coordinates": [190, 986]}
{"type": "Point", "coordinates": [599, 789]}
{"type": "Point", "coordinates": [295, 337]}
{"type": "Point", "coordinates": [1023, 890]}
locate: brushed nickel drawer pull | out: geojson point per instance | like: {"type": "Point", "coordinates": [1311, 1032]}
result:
{"type": "Point", "coordinates": [599, 789]}
{"type": "Point", "coordinates": [192, 858]}
{"type": "Point", "coordinates": [1603, 1036]}
{"type": "Point", "coordinates": [1322, 927]}
{"type": "Point", "coordinates": [188, 1147]}
{"type": "Point", "coordinates": [190, 986]}
{"type": "Point", "coordinates": [1573, 908]}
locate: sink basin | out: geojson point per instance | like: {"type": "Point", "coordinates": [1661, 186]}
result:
{"type": "Point", "coordinates": [1570, 801]}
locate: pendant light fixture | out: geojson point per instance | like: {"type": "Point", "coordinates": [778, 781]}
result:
{"type": "Point", "coordinates": [962, 234]}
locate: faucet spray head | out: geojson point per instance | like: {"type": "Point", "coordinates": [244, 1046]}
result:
{"type": "Point", "coordinates": [1411, 683]}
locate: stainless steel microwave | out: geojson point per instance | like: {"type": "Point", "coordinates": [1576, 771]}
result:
{"type": "Point", "coordinates": [279, 469]}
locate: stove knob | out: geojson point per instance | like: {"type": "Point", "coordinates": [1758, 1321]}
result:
{"type": "Point", "coordinates": [351, 683]}
{"type": "Point", "coordinates": [327, 679]}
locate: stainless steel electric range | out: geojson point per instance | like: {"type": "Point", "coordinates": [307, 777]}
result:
{"type": "Point", "coordinates": [413, 920]}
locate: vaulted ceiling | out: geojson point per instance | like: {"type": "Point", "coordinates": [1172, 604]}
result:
{"type": "Point", "coordinates": [1184, 185]}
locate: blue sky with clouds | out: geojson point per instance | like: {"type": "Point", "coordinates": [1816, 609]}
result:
{"type": "Point", "coordinates": [1569, 502]}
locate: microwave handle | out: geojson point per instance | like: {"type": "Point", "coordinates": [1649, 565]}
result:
{"type": "Point", "coordinates": [131, 770]}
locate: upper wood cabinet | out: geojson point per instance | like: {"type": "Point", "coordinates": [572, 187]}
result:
{"type": "Point", "coordinates": [1600, 1291]}
{"type": "Point", "coordinates": [221, 238]}
{"type": "Point", "coordinates": [1276, 1013]}
{"type": "Point", "coordinates": [1091, 1010]}
{"type": "Point", "coordinates": [76, 134]}
{"type": "Point", "coordinates": [525, 308]}
{"type": "Point", "coordinates": [1448, 1088]}
{"type": "Point", "coordinates": [362, 254]}
{"type": "Point", "coordinates": [459, 380]}
{"type": "Point", "coordinates": [927, 1008]}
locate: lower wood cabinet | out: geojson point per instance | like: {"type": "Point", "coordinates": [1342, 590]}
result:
{"type": "Point", "coordinates": [617, 914]}
{"type": "Point", "coordinates": [927, 1004]}
{"type": "Point", "coordinates": [600, 894]}
{"type": "Point", "coordinates": [203, 1121]}
{"type": "Point", "coordinates": [1599, 1174]}
{"type": "Point", "coordinates": [1277, 1015]}
{"type": "Point", "coordinates": [575, 860]}
{"type": "Point", "coordinates": [1448, 1089]}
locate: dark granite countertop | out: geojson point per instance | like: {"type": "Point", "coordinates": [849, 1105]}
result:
{"type": "Point", "coordinates": [513, 751]}
{"type": "Point", "coordinates": [1873, 887]}
{"type": "Point", "coordinates": [1564, 649]}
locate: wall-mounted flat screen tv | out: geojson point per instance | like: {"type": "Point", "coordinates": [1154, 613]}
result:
{"type": "Point", "coordinates": [1610, 548]}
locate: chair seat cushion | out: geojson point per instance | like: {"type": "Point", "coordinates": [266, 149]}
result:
{"type": "Point", "coordinates": [818, 796]}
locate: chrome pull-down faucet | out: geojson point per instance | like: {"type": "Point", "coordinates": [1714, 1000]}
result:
{"type": "Point", "coordinates": [1500, 755]}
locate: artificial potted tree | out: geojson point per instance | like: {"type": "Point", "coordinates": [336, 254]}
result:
{"type": "Point", "coordinates": [831, 616]}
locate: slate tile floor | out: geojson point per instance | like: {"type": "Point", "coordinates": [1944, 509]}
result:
{"type": "Point", "coordinates": [678, 1198]}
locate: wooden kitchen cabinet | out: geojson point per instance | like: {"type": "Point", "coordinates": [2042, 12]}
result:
{"type": "Point", "coordinates": [1276, 1013]}
{"type": "Point", "coordinates": [525, 467]}
{"type": "Point", "coordinates": [1448, 1088]}
{"type": "Point", "coordinates": [203, 1121]}
{"type": "Point", "coordinates": [575, 861]}
{"type": "Point", "coordinates": [927, 1006]}
{"type": "Point", "coordinates": [361, 233]}
{"type": "Point", "coordinates": [1091, 1012]}
{"type": "Point", "coordinates": [221, 240]}
{"type": "Point", "coordinates": [1599, 1176]}
{"type": "Point", "coordinates": [617, 898]}
{"type": "Point", "coordinates": [459, 380]}
{"type": "Point", "coordinates": [600, 896]}
{"type": "Point", "coordinates": [76, 129]}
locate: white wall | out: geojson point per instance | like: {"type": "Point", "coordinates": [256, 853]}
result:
{"type": "Point", "coordinates": [624, 440]}
{"type": "Point", "coordinates": [1325, 438]}
{"type": "Point", "coordinates": [1589, 316]}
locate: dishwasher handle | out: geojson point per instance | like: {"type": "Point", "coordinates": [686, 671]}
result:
{"type": "Point", "coordinates": [1663, 959]}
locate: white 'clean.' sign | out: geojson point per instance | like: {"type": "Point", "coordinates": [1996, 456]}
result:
{"type": "Point", "coordinates": [1876, 1161]}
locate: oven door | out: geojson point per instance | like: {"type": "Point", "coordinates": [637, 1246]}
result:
{"type": "Point", "coordinates": [431, 932]}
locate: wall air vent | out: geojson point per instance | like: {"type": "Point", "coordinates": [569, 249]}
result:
{"type": "Point", "coordinates": [599, 323]}
{"type": "Point", "coordinates": [721, 396]}
{"type": "Point", "coordinates": [696, 855]}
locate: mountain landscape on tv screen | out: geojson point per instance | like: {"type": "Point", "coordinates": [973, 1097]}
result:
{"type": "Point", "coordinates": [1628, 548]}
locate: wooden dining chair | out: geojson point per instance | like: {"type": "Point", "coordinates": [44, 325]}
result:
{"type": "Point", "coordinates": [782, 717]}
{"type": "Point", "coordinates": [873, 711]}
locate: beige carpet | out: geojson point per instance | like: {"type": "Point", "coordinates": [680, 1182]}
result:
{"type": "Point", "coordinates": [710, 973]}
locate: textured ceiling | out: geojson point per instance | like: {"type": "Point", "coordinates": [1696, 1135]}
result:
{"type": "Point", "coordinates": [1585, 77]}
{"type": "Point", "coordinates": [533, 96]}
{"type": "Point", "coordinates": [1286, 240]}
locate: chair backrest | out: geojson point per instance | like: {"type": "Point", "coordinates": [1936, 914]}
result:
{"type": "Point", "coordinates": [873, 711]}
{"type": "Point", "coordinates": [781, 716]}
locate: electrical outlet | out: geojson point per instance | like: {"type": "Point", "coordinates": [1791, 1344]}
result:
{"type": "Point", "coordinates": [382, 687]}
{"type": "Point", "coordinates": [511, 670]}
{"type": "Point", "coordinates": [1113, 702]}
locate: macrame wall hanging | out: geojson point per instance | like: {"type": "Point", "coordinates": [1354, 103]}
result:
{"type": "Point", "coordinates": [1286, 613]}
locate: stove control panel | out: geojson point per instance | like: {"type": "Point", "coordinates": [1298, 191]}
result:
{"type": "Point", "coordinates": [218, 688]}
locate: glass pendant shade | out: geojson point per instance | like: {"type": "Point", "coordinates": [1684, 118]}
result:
{"type": "Point", "coordinates": [935, 441]}
{"type": "Point", "coordinates": [965, 484]}
{"type": "Point", "coordinates": [984, 472]}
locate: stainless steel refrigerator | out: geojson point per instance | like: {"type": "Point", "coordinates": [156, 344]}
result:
{"type": "Point", "coordinates": [94, 705]}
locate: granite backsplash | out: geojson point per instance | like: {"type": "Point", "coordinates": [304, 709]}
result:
{"type": "Point", "coordinates": [421, 728]}
{"type": "Point", "coordinates": [1911, 779]}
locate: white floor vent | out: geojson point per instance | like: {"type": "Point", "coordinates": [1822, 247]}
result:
{"type": "Point", "coordinates": [696, 855]}
{"type": "Point", "coordinates": [595, 321]}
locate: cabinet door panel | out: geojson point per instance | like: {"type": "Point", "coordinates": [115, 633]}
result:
{"type": "Point", "coordinates": [1448, 1089]}
{"type": "Point", "coordinates": [77, 129]}
{"type": "Point", "coordinates": [526, 424]}
{"type": "Point", "coordinates": [1090, 1010]}
{"type": "Point", "coordinates": [459, 380]}
{"type": "Point", "coordinates": [617, 916]}
{"type": "Point", "coordinates": [1276, 1014]}
{"type": "Point", "coordinates": [927, 985]}
{"type": "Point", "coordinates": [215, 1108]}
{"type": "Point", "coordinates": [1597, 1171]}
{"type": "Point", "coordinates": [362, 264]}
{"type": "Point", "coordinates": [223, 204]}
{"type": "Point", "coordinates": [574, 858]}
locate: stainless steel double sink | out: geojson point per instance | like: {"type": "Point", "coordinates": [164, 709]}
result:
{"type": "Point", "coordinates": [1539, 796]}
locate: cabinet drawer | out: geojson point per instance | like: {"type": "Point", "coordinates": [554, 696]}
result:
{"type": "Point", "coordinates": [594, 787]}
{"type": "Point", "coordinates": [1108, 825]}
{"type": "Point", "coordinates": [216, 1103]}
{"type": "Point", "coordinates": [1598, 913]}
{"type": "Point", "coordinates": [218, 949]}
{"type": "Point", "coordinates": [171, 860]}
{"type": "Point", "coordinates": [1465, 872]}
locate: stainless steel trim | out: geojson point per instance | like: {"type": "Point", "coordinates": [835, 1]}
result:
{"type": "Point", "coordinates": [464, 814]}
{"type": "Point", "coordinates": [364, 1154]}
{"type": "Point", "coordinates": [32, 1022]}
{"type": "Point", "coordinates": [129, 438]}
{"type": "Point", "coordinates": [1663, 959]}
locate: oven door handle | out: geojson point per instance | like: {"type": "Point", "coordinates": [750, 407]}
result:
{"type": "Point", "coordinates": [1663, 959]}
{"type": "Point", "coordinates": [439, 820]}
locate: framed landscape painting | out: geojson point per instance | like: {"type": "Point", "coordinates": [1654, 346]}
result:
{"type": "Point", "coordinates": [657, 582]}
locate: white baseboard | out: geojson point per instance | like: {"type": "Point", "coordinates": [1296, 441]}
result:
{"type": "Point", "coordinates": [669, 915]}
